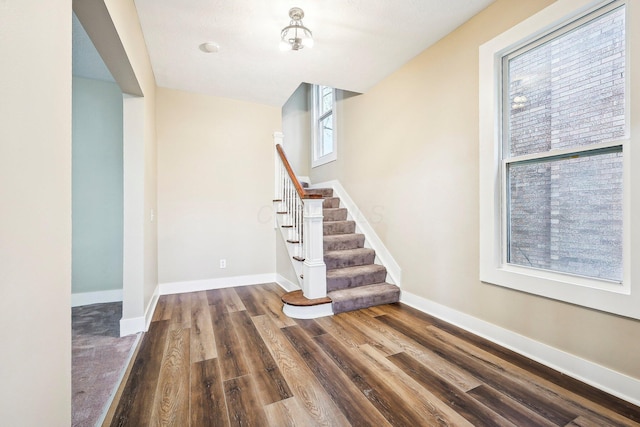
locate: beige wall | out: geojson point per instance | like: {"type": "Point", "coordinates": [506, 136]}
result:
{"type": "Point", "coordinates": [296, 127]}
{"type": "Point", "coordinates": [284, 266]}
{"type": "Point", "coordinates": [35, 213]}
{"type": "Point", "coordinates": [408, 156]}
{"type": "Point", "coordinates": [215, 186]}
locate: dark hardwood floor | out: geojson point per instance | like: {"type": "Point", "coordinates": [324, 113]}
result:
{"type": "Point", "coordinates": [231, 357]}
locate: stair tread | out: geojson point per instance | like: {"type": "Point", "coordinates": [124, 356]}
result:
{"type": "Point", "coordinates": [356, 270]}
{"type": "Point", "coordinates": [361, 290]}
{"type": "Point", "coordinates": [338, 227]}
{"type": "Point", "coordinates": [346, 236]}
{"type": "Point", "coordinates": [338, 242]}
{"type": "Point", "coordinates": [355, 276]}
{"type": "Point", "coordinates": [348, 252]}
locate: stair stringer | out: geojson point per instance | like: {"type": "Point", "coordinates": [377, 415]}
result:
{"type": "Point", "coordinates": [372, 241]}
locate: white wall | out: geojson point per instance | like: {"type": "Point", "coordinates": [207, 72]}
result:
{"type": "Point", "coordinates": [35, 213]}
{"type": "Point", "coordinates": [409, 155]}
{"type": "Point", "coordinates": [215, 186]}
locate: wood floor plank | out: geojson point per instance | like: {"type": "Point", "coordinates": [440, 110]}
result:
{"type": "Point", "coordinates": [375, 333]}
{"type": "Point", "coordinates": [589, 395]}
{"type": "Point", "coordinates": [249, 301]}
{"type": "Point", "coordinates": [572, 402]}
{"type": "Point", "coordinates": [354, 400]}
{"type": "Point", "coordinates": [136, 402]}
{"type": "Point", "coordinates": [270, 383]}
{"type": "Point", "coordinates": [392, 406]}
{"type": "Point", "coordinates": [208, 405]}
{"type": "Point", "coordinates": [408, 314]}
{"type": "Point", "coordinates": [308, 391]}
{"type": "Point", "coordinates": [583, 422]}
{"type": "Point", "coordinates": [508, 408]}
{"type": "Point", "coordinates": [243, 404]}
{"type": "Point", "coordinates": [459, 378]}
{"type": "Point", "coordinates": [373, 311]}
{"type": "Point", "coordinates": [268, 298]}
{"type": "Point", "coordinates": [231, 299]}
{"type": "Point", "coordinates": [336, 328]}
{"type": "Point", "coordinates": [422, 400]}
{"type": "Point", "coordinates": [181, 315]}
{"type": "Point", "coordinates": [172, 398]}
{"type": "Point", "coordinates": [203, 341]}
{"type": "Point", "coordinates": [564, 382]}
{"type": "Point", "coordinates": [163, 308]}
{"type": "Point", "coordinates": [288, 413]}
{"type": "Point", "coordinates": [471, 409]}
{"type": "Point", "coordinates": [214, 296]}
{"type": "Point", "coordinates": [310, 326]}
{"type": "Point", "coordinates": [230, 354]}
{"type": "Point", "coordinates": [548, 408]}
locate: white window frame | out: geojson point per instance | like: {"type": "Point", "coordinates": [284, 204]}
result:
{"type": "Point", "coordinates": [316, 159]}
{"type": "Point", "coordinates": [619, 298]}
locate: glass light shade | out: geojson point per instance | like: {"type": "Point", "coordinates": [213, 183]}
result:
{"type": "Point", "coordinates": [295, 37]}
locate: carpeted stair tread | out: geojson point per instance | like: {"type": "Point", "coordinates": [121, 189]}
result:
{"type": "Point", "coordinates": [351, 277]}
{"type": "Point", "coordinates": [349, 258]}
{"type": "Point", "coordinates": [334, 214]}
{"type": "Point", "coordinates": [363, 297]}
{"type": "Point", "coordinates": [340, 242]}
{"type": "Point", "coordinates": [338, 227]}
{"type": "Point", "coordinates": [331, 202]}
{"type": "Point", "coordinates": [324, 192]}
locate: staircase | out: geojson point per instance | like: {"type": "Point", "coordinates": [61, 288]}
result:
{"type": "Point", "coordinates": [354, 281]}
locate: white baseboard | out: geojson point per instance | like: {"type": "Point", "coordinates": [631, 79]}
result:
{"type": "Point", "coordinates": [372, 240]}
{"type": "Point", "coordinates": [100, 297]}
{"type": "Point", "coordinates": [132, 325]}
{"type": "Point", "coordinates": [207, 284]}
{"type": "Point", "coordinates": [286, 284]}
{"type": "Point", "coordinates": [151, 307]}
{"type": "Point", "coordinates": [603, 378]}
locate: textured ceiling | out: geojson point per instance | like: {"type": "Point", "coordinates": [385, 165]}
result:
{"type": "Point", "coordinates": [357, 42]}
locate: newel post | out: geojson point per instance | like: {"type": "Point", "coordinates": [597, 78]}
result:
{"type": "Point", "coordinates": [314, 284]}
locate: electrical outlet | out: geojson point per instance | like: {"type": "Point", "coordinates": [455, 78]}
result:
{"type": "Point", "coordinates": [223, 263]}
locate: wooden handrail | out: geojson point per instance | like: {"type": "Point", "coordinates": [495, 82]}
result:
{"type": "Point", "coordinates": [299, 188]}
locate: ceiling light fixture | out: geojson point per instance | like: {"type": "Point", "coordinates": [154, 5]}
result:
{"type": "Point", "coordinates": [295, 36]}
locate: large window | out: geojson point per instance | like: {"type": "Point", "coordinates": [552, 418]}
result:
{"type": "Point", "coordinates": [555, 156]}
{"type": "Point", "coordinates": [324, 136]}
{"type": "Point", "coordinates": [564, 127]}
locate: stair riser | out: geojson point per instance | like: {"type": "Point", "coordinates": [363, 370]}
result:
{"type": "Point", "coordinates": [339, 214]}
{"type": "Point", "coordinates": [335, 261]}
{"type": "Point", "coordinates": [331, 203]}
{"type": "Point", "coordinates": [336, 283]}
{"type": "Point", "coordinates": [349, 242]}
{"type": "Point", "coordinates": [346, 227]}
{"type": "Point", "coordinates": [325, 192]}
{"type": "Point", "coordinates": [366, 301]}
